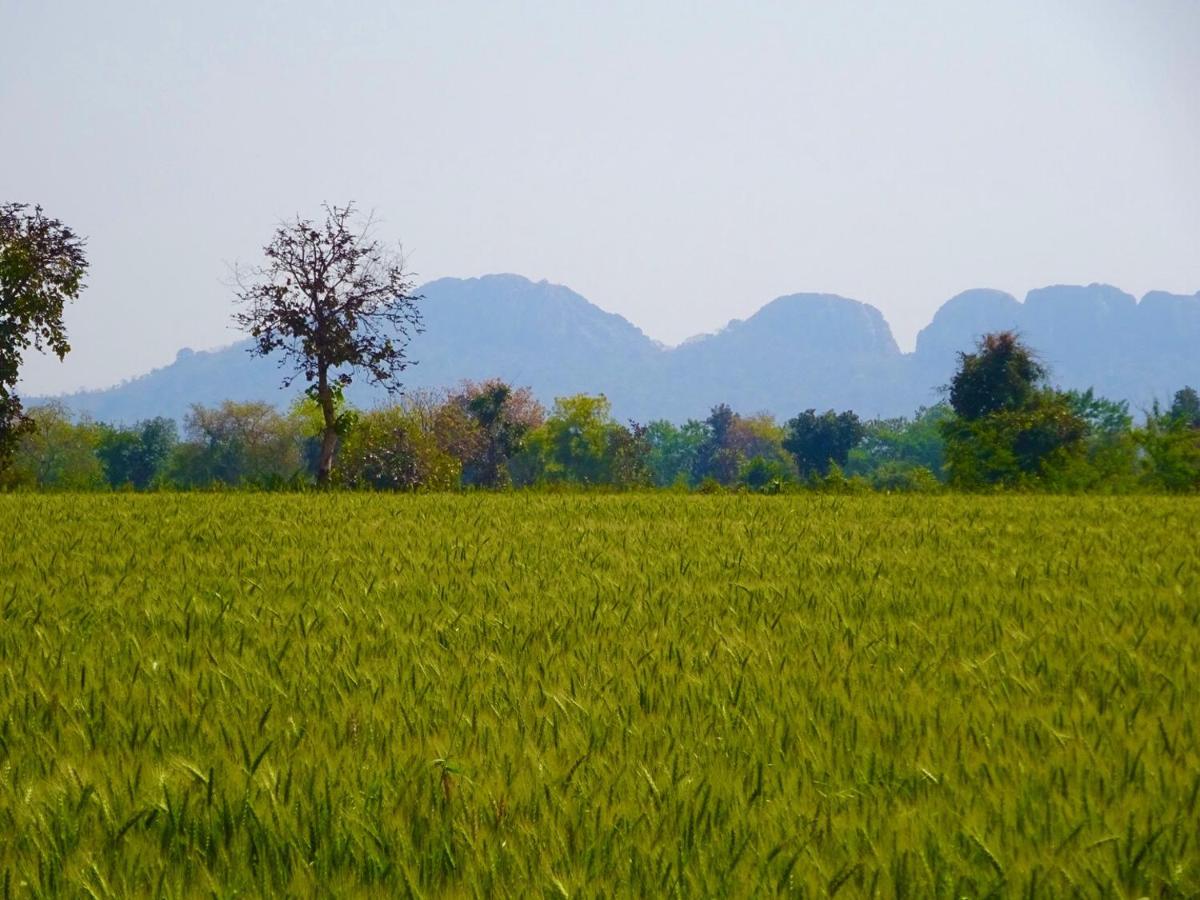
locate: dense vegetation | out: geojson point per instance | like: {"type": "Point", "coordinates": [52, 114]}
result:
{"type": "Point", "coordinates": [335, 304]}
{"type": "Point", "coordinates": [490, 435]}
{"type": "Point", "coordinates": [534, 695]}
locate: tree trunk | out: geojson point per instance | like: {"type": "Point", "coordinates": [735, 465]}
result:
{"type": "Point", "coordinates": [329, 435]}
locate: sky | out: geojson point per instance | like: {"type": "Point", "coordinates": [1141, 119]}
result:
{"type": "Point", "coordinates": [680, 164]}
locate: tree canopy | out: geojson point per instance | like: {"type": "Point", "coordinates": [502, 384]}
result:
{"type": "Point", "coordinates": [331, 301]}
{"type": "Point", "coordinates": [820, 441]}
{"type": "Point", "coordinates": [42, 266]}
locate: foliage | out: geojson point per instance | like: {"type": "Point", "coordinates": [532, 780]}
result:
{"type": "Point", "coordinates": [628, 455]}
{"type": "Point", "coordinates": [819, 442]}
{"type": "Point", "coordinates": [1015, 447]}
{"type": "Point", "coordinates": [633, 695]}
{"type": "Point", "coordinates": [1186, 407]}
{"type": "Point", "coordinates": [500, 419]}
{"type": "Point", "coordinates": [1171, 447]}
{"type": "Point", "coordinates": [892, 446]}
{"type": "Point", "coordinates": [1109, 458]}
{"type": "Point", "coordinates": [42, 266]}
{"type": "Point", "coordinates": [717, 457]}
{"type": "Point", "coordinates": [393, 448]}
{"type": "Point", "coordinates": [674, 450]}
{"type": "Point", "coordinates": [55, 453]}
{"type": "Point", "coordinates": [330, 301]}
{"type": "Point", "coordinates": [729, 441]}
{"type": "Point", "coordinates": [138, 456]}
{"type": "Point", "coordinates": [1009, 429]}
{"type": "Point", "coordinates": [765, 476]}
{"type": "Point", "coordinates": [237, 444]}
{"type": "Point", "coordinates": [1002, 374]}
{"type": "Point", "coordinates": [902, 477]}
{"type": "Point", "coordinates": [573, 443]}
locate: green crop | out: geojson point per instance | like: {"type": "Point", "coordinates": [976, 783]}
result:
{"type": "Point", "coordinates": [580, 695]}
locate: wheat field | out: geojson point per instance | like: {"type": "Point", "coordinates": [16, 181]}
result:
{"type": "Point", "coordinates": [533, 695]}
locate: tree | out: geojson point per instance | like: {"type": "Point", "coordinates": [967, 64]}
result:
{"type": "Point", "coordinates": [1186, 407]}
{"type": "Point", "coordinates": [892, 447]}
{"type": "Point", "coordinates": [673, 450]}
{"type": "Point", "coordinates": [817, 442]}
{"type": "Point", "coordinates": [55, 452]}
{"type": "Point", "coordinates": [718, 457]}
{"type": "Point", "coordinates": [236, 444]}
{"type": "Point", "coordinates": [629, 456]}
{"type": "Point", "coordinates": [1109, 460]}
{"type": "Point", "coordinates": [396, 448]}
{"type": "Point", "coordinates": [137, 456]}
{"type": "Point", "coordinates": [331, 300]}
{"type": "Point", "coordinates": [500, 418]}
{"type": "Point", "coordinates": [42, 264]}
{"type": "Point", "coordinates": [1171, 447]}
{"type": "Point", "coordinates": [573, 442]}
{"type": "Point", "coordinates": [1002, 374]}
{"type": "Point", "coordinates": [1009, 427]}
{"type": "Point", "coordinates": [764, 476]}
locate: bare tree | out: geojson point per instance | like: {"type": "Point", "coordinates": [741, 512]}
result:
{"type": "Point", "coordinates": [332, 301]}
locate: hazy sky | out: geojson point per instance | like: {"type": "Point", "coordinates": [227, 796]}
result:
{"type": "Point", "coordinates": [678, 163]}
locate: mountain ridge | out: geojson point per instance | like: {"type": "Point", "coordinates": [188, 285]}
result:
{"type": "Point", "coordinates": [797, 351]}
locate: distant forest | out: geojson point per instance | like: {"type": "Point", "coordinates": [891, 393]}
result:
{"type": "Point", "coordinates": [332, 309]}
{"type": "Point", "coordinates": [1001, 427]}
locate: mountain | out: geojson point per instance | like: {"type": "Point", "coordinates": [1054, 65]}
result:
{"type": "Point", "coordinates": [537, 334]}
{"type": "Point", "coordinates": [1087, 336]}
{"type": "Point", "coordinates": [798, 351]}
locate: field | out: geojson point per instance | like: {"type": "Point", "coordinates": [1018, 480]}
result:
{"type": "Point", "coordinates": [532, 695]}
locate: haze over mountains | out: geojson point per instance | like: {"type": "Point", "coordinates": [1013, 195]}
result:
{"type": "Point", "coordinates": [798, 351]}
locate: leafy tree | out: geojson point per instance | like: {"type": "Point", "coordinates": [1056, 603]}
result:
{"type": "Point", "coordinates": [903, 477]}
{"type": "Point", "coordinates": [396, 448]}
{"type": "Point", "coordinates": [673, 451]}
{"type": "Point", "coordinates": [1171, 447]}
{"type": "Point", "coordinates": [731, 440]}
{"type": "Point", "coordinates": [760, 435]}
{"type": "Point", "coordinates": [55, 452]}
{"type": "Point", "coordinates": [718, 457]}
{"type": "Point", "coordinates": [629, 456]}
{"type": "Point", "coordinates": [1016, 447]}
{"type": "Point", "coordinates": [819, 441]}
{"type": "Point", "coordinates": [1003, 374]}
{"type": "Point", "coordinates": [764, 476]}
{"type": "Point", "coordinates": [332, 301]}
{"type": "Point", "coordinates": [137, 456]}
{"type": "Point", "coordinates": [1009, 428]}
{"type": "Point", "coordinates": [1186, 407]}
{"type": "Point", "coordinates": [891, 447]}
{"type": "Point", "coordinates": [575, 444]}
{"type": "Point", "coordinates": [236, 444]}
{"type": "Point", "coordinates": [1105, 418]}
{"type": "Point", "coordinates": [42, 265]}
{"type": "Point", "coordinates": [502, 417]}
{"type": "Point", "coordinates": [1109, 458]}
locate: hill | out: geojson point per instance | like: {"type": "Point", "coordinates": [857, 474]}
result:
{"type": "Point", "coordinates": [798, 351]}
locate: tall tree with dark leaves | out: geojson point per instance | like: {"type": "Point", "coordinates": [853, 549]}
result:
{"type": "Point", "coordinates": [820, 441]}
{"type": "Point", "coordinates": [333, 302]}
{"type": "Point", "coordinates": [1186, 407]}
{"type": "Point", "coordinates": [42, 264]}
{"type": "Point", "coordinates": [1001, 374]}
{"type": "Point", "coordinates": [1010, 427]}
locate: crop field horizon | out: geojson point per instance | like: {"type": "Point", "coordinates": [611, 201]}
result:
{"type": "Point", "coordinates": [584, 695]}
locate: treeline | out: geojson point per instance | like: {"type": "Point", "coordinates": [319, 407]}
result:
{"type": "Point", "coordinates": [1001, 427]}
{"type": "Point", "coordinates": [335, 304]}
